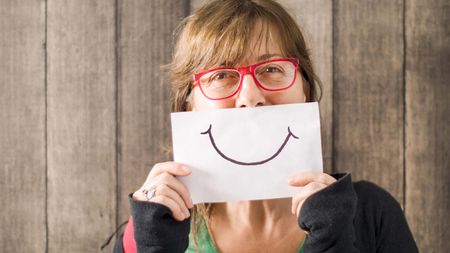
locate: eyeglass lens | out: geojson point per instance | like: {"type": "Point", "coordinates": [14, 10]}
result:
{"type": "Point", "coordinates": [271, 76]}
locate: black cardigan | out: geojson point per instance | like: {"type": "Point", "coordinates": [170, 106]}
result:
{"type": "Point", "coordinates": [343, 217]}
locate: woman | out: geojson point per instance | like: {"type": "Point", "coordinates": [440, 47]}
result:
{"type": "Point", "coordinates": [328, 214]}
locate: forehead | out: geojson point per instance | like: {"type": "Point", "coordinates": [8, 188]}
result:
{"type": "Point", "coordinates": [263, 44]}
{"type": "Point", "coordinates": [237, 47]}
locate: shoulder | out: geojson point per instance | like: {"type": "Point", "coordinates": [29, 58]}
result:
{"type": "Point", "coordinates": [377, 210]}
{"type": "Point", "coordinates": [373, 196]}
{"type": "Point", "coordinates": [368, 194]}
{"type": "Point", "coordinates": [368, 189]}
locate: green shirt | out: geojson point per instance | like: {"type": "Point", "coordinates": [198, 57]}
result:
{"type": "Point", "coordinates": [206, 245]}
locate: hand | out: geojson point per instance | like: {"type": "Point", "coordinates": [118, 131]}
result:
{"type": "Point", "coordinates": [164, 188]}
{"type": "Point", "coordinates": [309, 183]}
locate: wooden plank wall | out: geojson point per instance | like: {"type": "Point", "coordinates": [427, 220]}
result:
{"type": "Point", "coordinates": [22, 127]}
{"type": "Point", "coordinates": [368, 91]}
{"type": "Point", "coordinates": [81, 123]}
{"type": "Point", "coordinates": [427, 126]}
{"type": "Point", "coordinates": [84, 109]}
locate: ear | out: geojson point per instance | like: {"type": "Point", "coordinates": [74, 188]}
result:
{"type": "Point", "coordinates": [189, 102]}
{"type": "Point", "coordinates": [188, 106]}
{"type": "Point", "coordinates": [308, 97]}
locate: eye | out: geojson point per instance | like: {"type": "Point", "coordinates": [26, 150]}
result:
{"type": "Point", "coordinates": [220, 75]}
{"type": "Point", "coordinates": [272, 69]}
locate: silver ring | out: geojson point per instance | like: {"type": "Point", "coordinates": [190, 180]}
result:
{"type": "Point", "coordinates": [150, 192]}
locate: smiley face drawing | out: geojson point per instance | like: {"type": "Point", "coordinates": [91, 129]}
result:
{"type": "Point", "coordinates": [211, 138]}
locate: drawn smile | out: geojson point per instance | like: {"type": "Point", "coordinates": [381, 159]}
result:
{"type": "Point", "coordinates": [211, 138]}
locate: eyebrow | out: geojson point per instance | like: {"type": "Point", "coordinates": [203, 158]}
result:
{"type": "Point", "coordinates": [260, 58]}
{"type": "Point", "coordinates": [267, 56]}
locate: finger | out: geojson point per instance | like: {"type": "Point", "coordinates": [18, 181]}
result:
{"type": "Point", "coordinates": [171, 204]}
{"type": "Point", "coordinates": [181, 189]}
{"type": "Point", "coordinates": [304, 178]}
{"type": "Point", "coordinates": [138, 195]}
{"type": "Point", "coordinates": [176, 169]}
{"type": "Point", "coordinates": [164, 189]}
{"type": "Point", "coordinates": [175, 184]}
{"type": "Point", "coordinates": [303, 194]}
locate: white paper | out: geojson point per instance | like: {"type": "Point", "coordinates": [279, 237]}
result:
{"type": "Point", "coordinates": [248, 153]}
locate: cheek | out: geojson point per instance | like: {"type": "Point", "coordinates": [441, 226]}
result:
{"type": "Point", "coordinates": [298, 93]}
{"type": "Point", "coordinates": [200, 102]}
{"type": "Point", "coordinates": [295, 94]}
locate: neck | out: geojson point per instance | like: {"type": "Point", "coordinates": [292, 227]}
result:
{"type": "Point", "coordinates": [259, 216]}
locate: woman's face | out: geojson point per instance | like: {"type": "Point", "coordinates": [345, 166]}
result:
{"type": "Point", "coordinates": [250, 94]}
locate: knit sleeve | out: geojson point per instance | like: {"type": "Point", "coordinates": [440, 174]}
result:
{"type": "Point", "coordinates": [328, 217]}
{"type": "Point", "coordinates": [155, 230]}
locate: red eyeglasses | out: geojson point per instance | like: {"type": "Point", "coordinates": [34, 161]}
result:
{"type": "Point", "coordinates": [222, 83]}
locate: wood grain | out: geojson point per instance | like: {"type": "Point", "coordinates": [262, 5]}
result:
{"type": "Point", "coordinates": [75, 140]}
{"type": "Point", "coordinates": [22, 126]}
{"type": "Point", "coordinates": [146, 29]}
{"type": "Point", "coordinates": [368, 92]}
{"type": "Point", "coordinates": [195, 4]}
{"type": "Point", "coordinates": [427, 123]}
{"type": "Point", "coordinates": [81, 124]}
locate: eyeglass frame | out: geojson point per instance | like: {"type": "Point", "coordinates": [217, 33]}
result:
{"type": "Point", "coordinates": [244, 70]}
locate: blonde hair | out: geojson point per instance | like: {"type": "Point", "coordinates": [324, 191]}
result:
{"type": "Point", "coordinates": [220, 33]}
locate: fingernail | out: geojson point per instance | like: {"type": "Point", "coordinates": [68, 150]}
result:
{"type": "Point", "coordinates": [187, 214]}
{"type": "Point", "coordinates": [186, 169]}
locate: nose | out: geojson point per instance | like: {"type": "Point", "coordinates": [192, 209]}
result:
{"type": "Point", "coordinates": [250, 94]}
